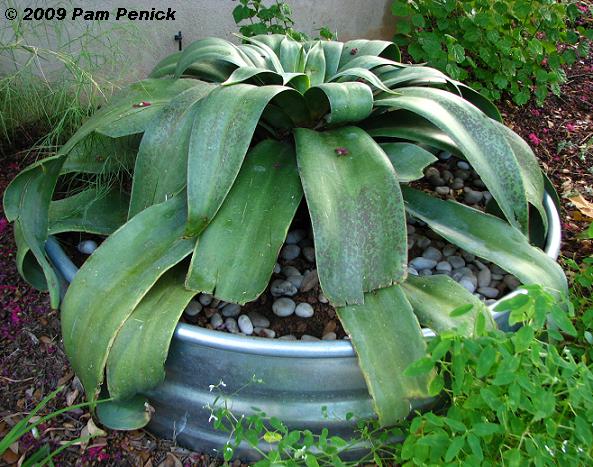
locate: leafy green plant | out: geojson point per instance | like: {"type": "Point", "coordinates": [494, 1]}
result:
{"type": "Point", "coordinates": [275, 19]}
{"type": "Point", "coordinates": [502, 46]}
{"type": "Point", "coordinates": [223, 142]}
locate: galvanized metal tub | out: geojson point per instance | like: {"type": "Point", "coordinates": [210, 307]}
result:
{"type": "Point", "coordinates": [308, 385]}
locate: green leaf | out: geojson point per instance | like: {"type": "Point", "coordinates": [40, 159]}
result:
{"type": "Point", "coordinates": [131, 414]}
{"type": "Point", "coordinates": [485, 361]}
{"type": "Point", "coordinates": [136, 362]}
{"type": "Point", "coordinates": [89, 211]}
{"type": "Point", "coordinates": [435, 299]}
{"type": "Point", "coordinates": [255, 75]}
{"type": "Point", "coordinates": [235, 255]}
{"type": "Point", "coordinates": [406, 125]}
{"type": "Point", "coordinates": [332, 51]}
{"type": "Point", "coordinates": [134, 107]}
{"type": "Point", "coordinates": [27, 266]}
{"type": "Point", "coordinates": [562, 320]}
{"type": "Point", "coordinates": [461, 310]}
{"type": "Point", "coordinates": [340, 103]}
{"type": "Point", "coordinates": [479, 140]}
{"type": "Point", "coordinates": [456, 445]}
{"type": "Point", "coordinates": [408, 160]}
{"type": "Point", "coordinates": [26, 202]}
{"type": "Point", "coordinates": [362, 47]}
{"type": "Point", "coordinates": [219, 140]}
{"type": "Point", "coordinates": [382, 357]}
{"type": "Point", "coordinates": [488, 237]}
{"type": "Point", "coordinates": [532, 176]}
{"type": "Point", "coordinates": [292, 56]}
{"type": "Point", "coordinates": [112, 282]}
{"type": "Point", "coordinates": [161, 164]}
{"type": "Point", "coordinates": [209, 50]}
{"type": "Point", "coordinates": [350, 184]}
{"type": "Point", "coordinates": [420, 367]}
{"type": "Point", "coordinates": [315, 65]}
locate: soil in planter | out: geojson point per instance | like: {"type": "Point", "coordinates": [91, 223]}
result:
{"type": "Point", "coordinates": [293, 306]}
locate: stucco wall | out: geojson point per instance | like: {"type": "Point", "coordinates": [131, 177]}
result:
{"type": "Point", "coordinates": [202, 18]}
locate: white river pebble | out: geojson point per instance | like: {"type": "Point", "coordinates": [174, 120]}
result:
{"type": "Point", "coordinates": [489, 292]}
{"type": "Point", "coordinates": [290, 252]}
{"type": "Point", "coordinates": [295, 236]}
{"type": "Point", "coordinates": [216, 320]}
{"type": "Point", "coordinates": [304, 310]}
{"type": "Point", "coordinates": [231, 310]}
{"type": "Point", "coordinates": [193, 308]}
{"type": "Point", "coordinates": [231, 325]}
{"type": "Point", "coordinates": [283, 307]}
{"type": "Point", "coordinates": [87, 247]}
{"type": "Point", "coordinates": [423, 263]}
{"type": "Point", "coordinates": [258, 319]}
{"type": "Point", "coordinates": [280, 287]}
{"type": "Point", "coordinates": [245, 324]}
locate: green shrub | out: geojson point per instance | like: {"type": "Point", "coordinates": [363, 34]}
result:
{"type": "Point", "coordinates": [501, 46]}
{"type": "Point", "coordinates": [275, 19]}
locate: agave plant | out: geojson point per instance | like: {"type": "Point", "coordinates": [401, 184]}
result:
{"type": "Point", "coordinates": [222, 142]}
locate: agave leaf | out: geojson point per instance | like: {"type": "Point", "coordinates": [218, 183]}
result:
{"type": "Point", "coordinates": [89, 211]}
{"type": "Point", "coordinates": [362, 74]}
{"type": "Point", "coordinates": [112, 282]}
{"type": "Point", "coordinates": [299, 81]}
{"type": "Point", "coordinates": [488, 237]}
{"type": "Point", "coordinates": [129, 114]}
{"type": "Point", "coordinates": [387, 338]}
{"type": "Point", "coordinates": [212, 50]}
{"type": "Point", "coordinates": [340, 102]}
{"type": "Point", "coordinates": [249, 73]}
{"type": "Point", "coordinates": [480, 141]}
{"type": "Point", "coordinates": [26, 264]}
{"type": "Point", "coordinates": [219, 140]}
{"type": "Point", "coordinates": [533, 180]}
{"type": "Point", "coordinates": [136, 362]}
{"type": "Point", "coordinates": [367, 62]}
{"type": "Point", "coordinates": [408, 160]}
{"type": "Point", "coordinates": [26, 202]}
{"type": "Point", "coordinates": [131, 414]}
{"type": "Point", "coordinates": [166, 67]}
{"type": "Point", "coordinates": [256, 55]}
{"type": "Point", "coordinates": [356, 211]}
{"type": "Point", "coordinates": [433, 298]}
{"type": "Point", "coordinates": [272, 41]}
{"type": "Point", "coordinates": [482, 103]}
{"type": "Point", "coordinates": [99, 154]}
{"type": "Point", "coordinates": [235, 256]}
{"type": "Point", "coordinates": [397, 77]}
{"type": "Point", "coordinates": [406, 125]}
{"type": "Point", "coordinates": [361, 47]}
{"type": "Point", "coordinates": [292, 56]}
{"type": "Point", "coordinates": [332, 50]}
{"type": "Point", "coordinates": [161, 164]}
{"type": "Point", "coordinates": [315, 65]}
{"type": "Point", "coordinates": [271, 56]}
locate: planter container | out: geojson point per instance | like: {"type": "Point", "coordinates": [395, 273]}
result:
{"type": "Point", "coordinates": [308, 385]}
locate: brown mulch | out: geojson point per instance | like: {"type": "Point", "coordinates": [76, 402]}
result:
{"type": "Point", "coordinates": [32, 360]}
